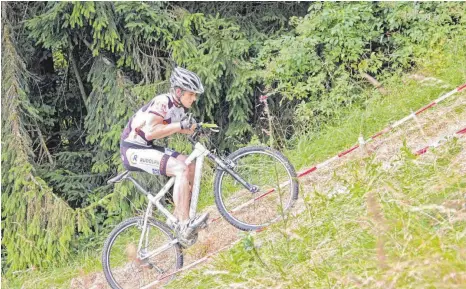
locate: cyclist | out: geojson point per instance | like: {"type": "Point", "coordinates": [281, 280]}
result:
{"type": "Point", "coordinates": [163, 116]}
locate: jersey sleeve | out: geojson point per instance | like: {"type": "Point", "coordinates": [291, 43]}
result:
{"type": "Point", "coordinates": [159, 106]}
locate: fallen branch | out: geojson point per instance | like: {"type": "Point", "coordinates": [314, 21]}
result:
{"type": "Point", "coordinates": [374, 82]}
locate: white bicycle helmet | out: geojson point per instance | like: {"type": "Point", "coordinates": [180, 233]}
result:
{"type": "Point", "coordinates": [186, 80]}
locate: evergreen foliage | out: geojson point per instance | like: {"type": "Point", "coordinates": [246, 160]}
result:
{"type": "Point", "coordinates": [74, 72]}
{"type": "Point", "coordinates": [37, 225]}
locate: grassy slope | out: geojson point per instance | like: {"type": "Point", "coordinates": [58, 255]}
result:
{"type": "Point", "coordinates": [397, 228]}
{"type": "Point", "coordinates": [339, 241]}
{"type": "Point", "coordinates": [403, 227]}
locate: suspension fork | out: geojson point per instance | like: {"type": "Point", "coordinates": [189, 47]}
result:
{"type": "Point", "coordinates": [252, 188]}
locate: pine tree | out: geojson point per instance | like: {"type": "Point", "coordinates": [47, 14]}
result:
{"type": "Point", "coordinates": [37, 225]}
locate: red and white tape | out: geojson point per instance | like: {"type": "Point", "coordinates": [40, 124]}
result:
{"type": "Point", "coordinates": [440, 141]}
{"type": "Point", "coordinates": [353, 148]}
{"type": "Point", "coordinates": [384, 131]}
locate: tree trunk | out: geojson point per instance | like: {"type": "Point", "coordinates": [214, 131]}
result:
{"type": "Point", "coordinates": [77, 75]}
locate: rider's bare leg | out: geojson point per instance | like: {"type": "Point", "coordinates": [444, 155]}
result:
{"type": "Point", "coordinates": [175, 167]}
{"type": "Point", "coordinates": [191, 168]}
{"type": "Point", "coordinates": [181, 191]}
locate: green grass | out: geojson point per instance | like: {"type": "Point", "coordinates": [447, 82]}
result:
{"type": "Point", "coordinates": [86, 262]}
{"type": "Point", "coordinates": [405, 96]}
{"type": "Point", "coordinates": [388, 231]}
{"type": "Point", "coordinates": [382, 233]}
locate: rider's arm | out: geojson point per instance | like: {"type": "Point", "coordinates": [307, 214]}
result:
{"type": "Point", "coordinates": [155, 129]}
{"type": "Point", "coordinates": [187, 131]}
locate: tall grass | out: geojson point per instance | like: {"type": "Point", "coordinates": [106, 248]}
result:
{"type": "Point", "coordinates": [399, 228]}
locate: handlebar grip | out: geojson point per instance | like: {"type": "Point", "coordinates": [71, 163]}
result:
{"type": "Point", "coordinates": [199, 127]}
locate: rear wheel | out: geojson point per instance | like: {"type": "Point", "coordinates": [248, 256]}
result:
{"type": "Point", "coordinates": [125, 267]}
{"type": "Point", "coordinates": [271, 173]}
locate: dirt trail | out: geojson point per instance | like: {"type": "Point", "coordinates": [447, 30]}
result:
{"type": "Point", "coordinates": [441, 121]}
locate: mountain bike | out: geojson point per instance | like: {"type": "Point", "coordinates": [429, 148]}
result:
{"type": "Point", "coordinates": [253, 187]}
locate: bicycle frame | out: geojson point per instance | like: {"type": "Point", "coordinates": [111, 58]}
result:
{"type": "Point", "coordinates": [199, 153]}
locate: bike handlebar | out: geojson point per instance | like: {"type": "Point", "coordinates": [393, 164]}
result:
{"type": "Point", "coordinates": [199, 127]}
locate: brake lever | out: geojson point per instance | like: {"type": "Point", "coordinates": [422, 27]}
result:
{"type": "Point", "coordinates": [211, 126]}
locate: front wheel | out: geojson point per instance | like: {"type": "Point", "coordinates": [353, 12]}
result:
{"type": "Point", "coordinates": [271, 173]}
{"type": "Point", "coordinates": [127, 267]}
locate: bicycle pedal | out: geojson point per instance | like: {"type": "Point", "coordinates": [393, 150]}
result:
{"type": "Point", "coordinates": [199, 222]}
{"type": "Point", "coordinates": [204, 225]}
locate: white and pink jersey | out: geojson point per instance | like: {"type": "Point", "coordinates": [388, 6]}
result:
{"type": "Point", "coordinates": [163, 105]}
